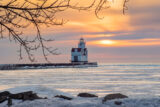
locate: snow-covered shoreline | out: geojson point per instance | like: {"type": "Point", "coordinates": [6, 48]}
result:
{"type": "Point", "coordinates": [76, 101]}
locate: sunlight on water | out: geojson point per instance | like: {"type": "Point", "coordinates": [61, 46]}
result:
{"type": "Point", "coordinates": [130, 79]}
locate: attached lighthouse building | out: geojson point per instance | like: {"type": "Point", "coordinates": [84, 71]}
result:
{"type": "Point", "coordinates": [79, 54]}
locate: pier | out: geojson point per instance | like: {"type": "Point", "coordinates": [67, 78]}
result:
{"type": "Point", "coordinates": [47, 65]}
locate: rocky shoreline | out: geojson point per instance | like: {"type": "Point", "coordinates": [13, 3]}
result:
{"type": "Point", "coordinates": [40, 96]}
{"type": "Point", "coordinates": [30, 96]}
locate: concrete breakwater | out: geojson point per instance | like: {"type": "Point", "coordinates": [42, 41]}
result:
{"type": "Point", "coordinates": [47, 65]}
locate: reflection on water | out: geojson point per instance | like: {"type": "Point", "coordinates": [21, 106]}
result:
{"type": "Point", "coordinates": [130, 79]}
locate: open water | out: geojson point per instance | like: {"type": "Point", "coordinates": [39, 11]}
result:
{"type": "Point", "coordinates": [129, 79]}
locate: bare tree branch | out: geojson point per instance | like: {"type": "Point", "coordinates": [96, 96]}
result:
{"type": "Point", "coordinates": [125, 7]}
{"type": "Point", "coordinates": [20, 14]}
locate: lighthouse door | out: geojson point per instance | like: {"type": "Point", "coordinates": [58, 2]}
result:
{"type": "Point", "coordinates": [75, 58]}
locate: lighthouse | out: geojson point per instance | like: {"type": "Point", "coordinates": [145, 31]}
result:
{"type": "Point", "coordinates": [80, 54]}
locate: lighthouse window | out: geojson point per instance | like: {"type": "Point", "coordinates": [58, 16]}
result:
{"type": "Point", "coordinates": [79, 49]}
{"type": "Point", "coordinates": [72, 49]}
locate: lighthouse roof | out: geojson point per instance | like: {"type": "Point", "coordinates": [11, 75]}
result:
{"type": "Point", "coordinates": [81, 40]}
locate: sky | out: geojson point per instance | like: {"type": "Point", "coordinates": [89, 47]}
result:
{"type": "Point", "coordinates": [115, 38]}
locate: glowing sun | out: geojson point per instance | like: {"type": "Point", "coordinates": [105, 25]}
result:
{"type": "Point", "coordinates": [107, 42]}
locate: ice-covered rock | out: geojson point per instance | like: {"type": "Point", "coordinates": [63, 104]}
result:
{"type": "Point", "coordinates": [64, 97]}
{"type": "Point", "coordinates": [114, 96]}
{"type": "Point", "coordinates": [86, 95]}
{"type": "Point", "coordinates": [42, 91]}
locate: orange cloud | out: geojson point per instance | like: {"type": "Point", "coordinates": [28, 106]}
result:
{"type": "Point", "coordinates": [125, 43]}
{"type": "Point", "coordinates": [97, 36]}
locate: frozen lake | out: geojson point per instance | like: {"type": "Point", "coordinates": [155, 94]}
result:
{"type": "Point", "coordinates": [129, 79]}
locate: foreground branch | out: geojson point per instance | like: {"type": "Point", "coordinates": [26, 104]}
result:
{"type": "Point", "coordinates": [16, 15]}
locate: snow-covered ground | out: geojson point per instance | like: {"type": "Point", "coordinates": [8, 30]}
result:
{"type": "Point", "coordinates": [76, 101]}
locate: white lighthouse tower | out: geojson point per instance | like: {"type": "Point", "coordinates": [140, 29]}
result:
{"type": "Point", "coordinates": [79, 54]}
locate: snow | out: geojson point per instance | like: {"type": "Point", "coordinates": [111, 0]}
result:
{"type": "Point", "coordinates": [77, 101]}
